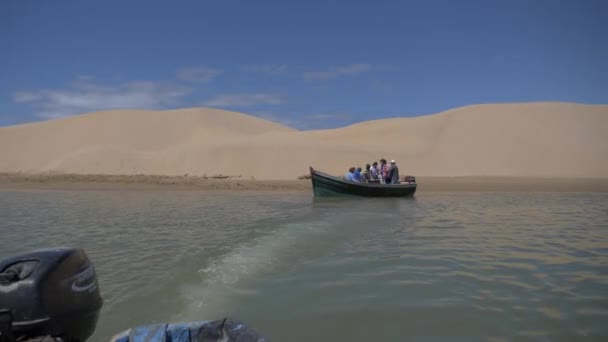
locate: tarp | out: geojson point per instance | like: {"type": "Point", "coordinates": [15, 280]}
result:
{"type": "Point", "coordinates": [226, 330]}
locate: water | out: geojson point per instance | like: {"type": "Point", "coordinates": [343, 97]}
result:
{"type": "Point", "coordinates": [443, 266]}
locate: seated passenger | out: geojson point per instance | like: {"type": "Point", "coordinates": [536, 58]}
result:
{"type": "Point", "coordinates": [358, 175]}
{"type": "Point", "coordinates": [366, 172]}
{"type": "Point", "coordinates": [350, 175]}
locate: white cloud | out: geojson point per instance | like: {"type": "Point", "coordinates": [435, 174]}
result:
{"type": "Point", "coordinates": [266, 68]}
{"type": "Point", "coordinates": [24, 96]}
{"type": "Point", "coordinates": [334, 72]}
{"type": "Point", "coordinates": [86, 97]}
{"type": "Point", "coordinates": [198, 75]}
{"type": "Point", "coordinates": [244, 100]}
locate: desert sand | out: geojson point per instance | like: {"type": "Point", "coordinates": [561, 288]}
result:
{"type": "Point", "coordinates": [546, 140]}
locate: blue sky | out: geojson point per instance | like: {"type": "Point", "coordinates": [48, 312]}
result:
{"type": "Point", "coordinates": [309, 64]}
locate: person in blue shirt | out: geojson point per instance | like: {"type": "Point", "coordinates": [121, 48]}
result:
{"type": "Point", "coordinates": [350, 175]}
{"type": "Point", "coordinates": [358, 175]}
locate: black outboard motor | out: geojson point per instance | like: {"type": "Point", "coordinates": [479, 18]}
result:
{"type": "Point", "coordinates": [48, 293]}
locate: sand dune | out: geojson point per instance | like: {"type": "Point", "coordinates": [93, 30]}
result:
{"type": "Point", "coordinates": [525, 140]}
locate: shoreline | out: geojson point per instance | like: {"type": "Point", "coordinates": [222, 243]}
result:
{"type": "Point", "coordinates": [20, 181]}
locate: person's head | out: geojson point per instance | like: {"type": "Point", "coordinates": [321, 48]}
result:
{"type": "Point", "coordinates": [367, 166]}
{"type": "Point", "coordinates": [352, 169]}
{"type": "Point", "coordinates": [393, 161]}
{"type": "Point", "coordinates": [359, 169]}
{"type": "Point", "coordinates": [375, 164]}
{"type": "Point", "coordinates": [383, 161]}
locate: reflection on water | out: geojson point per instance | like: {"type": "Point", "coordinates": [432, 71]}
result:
{"type": "Point", "coordinates": [446, 266]}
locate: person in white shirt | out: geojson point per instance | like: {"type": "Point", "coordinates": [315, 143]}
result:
{"type": "Point", "coordinates": [374, 171]}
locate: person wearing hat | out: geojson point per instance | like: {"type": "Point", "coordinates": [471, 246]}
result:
{"type": "Point", "coordinates": [393, 173]}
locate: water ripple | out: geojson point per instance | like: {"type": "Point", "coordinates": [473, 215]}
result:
{"type": "Point", "coordinates": [496, 267]}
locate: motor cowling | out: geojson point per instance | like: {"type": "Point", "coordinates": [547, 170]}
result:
{"type": "Point", "coordinates": [49, 292]}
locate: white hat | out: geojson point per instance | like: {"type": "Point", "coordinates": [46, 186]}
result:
{"type": "Point", "coordinates": [393, 161]}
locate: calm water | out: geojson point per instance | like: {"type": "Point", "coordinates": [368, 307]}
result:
{"type": "Point", "coordinates": [461, 266]}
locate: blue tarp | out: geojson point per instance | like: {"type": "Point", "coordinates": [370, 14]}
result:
{"type": "Point", "coordinates": [226, 330]}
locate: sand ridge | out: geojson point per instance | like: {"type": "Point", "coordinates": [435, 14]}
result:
{"type": "Point", "coordinates": [512, 140]}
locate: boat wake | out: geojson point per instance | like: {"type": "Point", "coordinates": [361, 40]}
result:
{"type": "Point", "coordinates": [231, 276]}
{"type": "Point", "coordinates": [229, 279]}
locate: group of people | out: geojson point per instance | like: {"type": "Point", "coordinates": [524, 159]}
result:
{"type": "Point", "coordinates": [382, 173]}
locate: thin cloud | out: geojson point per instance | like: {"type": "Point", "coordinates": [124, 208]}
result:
{"type": "Point", "coordinates": [198, 75]}
{"type": "Point", "coordinates": [25, 96]}
{"type": "Point", "coordinates": [335, 72]}
{"type": "Point", "coordinates": [244, 100]}
{"type": "Point", "coordinates": [266, 68]}
{"type": "Point", "coordinates": [86, 97]}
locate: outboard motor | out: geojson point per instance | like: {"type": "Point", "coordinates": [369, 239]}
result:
{"type": "Point", "coordinates": [48, 293]}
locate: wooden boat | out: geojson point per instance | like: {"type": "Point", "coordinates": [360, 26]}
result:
{"type": "Point", "coordinates": [326, 185]}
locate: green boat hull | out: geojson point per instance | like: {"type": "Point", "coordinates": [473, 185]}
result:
{"type": "Point", "coordinates": [324, 185]}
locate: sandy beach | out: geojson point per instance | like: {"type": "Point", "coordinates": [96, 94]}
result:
{"type": "Point", "coordinates": [539, 140]}
{"type": "Point", "coordinates": [501, 147]}
{"type": "Point", "coordinates": [425, 184]}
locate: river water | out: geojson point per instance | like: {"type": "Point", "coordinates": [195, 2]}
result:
{"type": "Point", "coordinates": [442, 266]}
